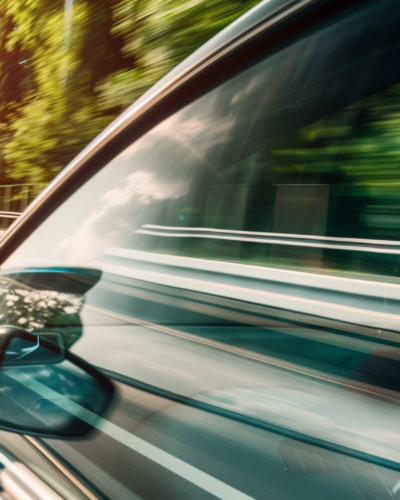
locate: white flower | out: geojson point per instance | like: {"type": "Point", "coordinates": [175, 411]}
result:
{"type": "Point", "coordinates": [12, 297]}
{"type": "Point", "coordinates": [69, 310]}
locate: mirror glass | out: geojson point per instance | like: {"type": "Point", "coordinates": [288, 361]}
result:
{"type": "Point", "coordinates": [23, 348]}
{"type": "Point", "coordinates": [56, 400]}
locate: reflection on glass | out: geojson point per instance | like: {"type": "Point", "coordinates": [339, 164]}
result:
{"type": "Point", "coordinates": [47, 301]}
{"type": "Point", "coordinates": [51, 400]}
{"type": "Point", "coordinates": [32, 309]}
{"type": "Point", "coordinates": [30, 349]}
{"type": "Point", "coordinates": [290, 164]}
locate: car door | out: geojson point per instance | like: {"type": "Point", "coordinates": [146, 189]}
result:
{"type": "Point", "coordinates": [243, 222]}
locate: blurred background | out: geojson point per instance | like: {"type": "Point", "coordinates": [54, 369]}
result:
{"type": "Point", "coordinates": [69, 67]}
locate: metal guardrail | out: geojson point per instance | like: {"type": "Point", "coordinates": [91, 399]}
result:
{"type": "Point", "coordinates": [296, 240]}
{"type": "Point", "coordinates": [341, 300]}
{"type": "Point", "coordinates": [6, 219]}
{"type": "Point", "coordinates": [14, 198]}
{"type": "Point", "coordinates": [9, 215]}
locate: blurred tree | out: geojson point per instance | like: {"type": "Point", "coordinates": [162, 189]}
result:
{"type": "Point", "coordinates": [14, 78]}
{"type": "Point", "coordinates": [68, 67]}
{"type": "Point", "coordinates": [158, 34]}
{"type": "Point", "coordinates": [57, 114]}
{"type": "Point", "coordinates": [356, 152]}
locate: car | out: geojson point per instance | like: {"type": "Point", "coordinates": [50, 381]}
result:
{"type": "Point", "coordinates": [204, 303]}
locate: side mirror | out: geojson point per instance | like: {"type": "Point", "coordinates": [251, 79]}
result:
{"type": "Point", "coordinates": [45, 390]}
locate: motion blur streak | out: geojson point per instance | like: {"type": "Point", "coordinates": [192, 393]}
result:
{"type": "Point", "coordinates": [179, 467]}
{"type": "Point", "coordinates": [299, 304]}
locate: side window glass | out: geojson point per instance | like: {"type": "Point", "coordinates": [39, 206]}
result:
{"type": "Point", "coordinates": [291, 164]}
{"type": "Point", "coordinates": [299, 165]}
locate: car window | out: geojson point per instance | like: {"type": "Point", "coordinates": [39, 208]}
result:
{"type": "Point", "coordinates": [249, 256]}
{"type": "Point", "coordinates": [303, 144]}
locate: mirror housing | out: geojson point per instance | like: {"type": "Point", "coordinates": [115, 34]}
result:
{"type": "Point", "coordinates": [71, 280]}
{"type": "Point", "coordinates": [45, 390]}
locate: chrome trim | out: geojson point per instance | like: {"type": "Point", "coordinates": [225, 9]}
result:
{"type": "Point", "coordinates": [20, 483]}
{"type": "Point", "coordinates": [60, 467]}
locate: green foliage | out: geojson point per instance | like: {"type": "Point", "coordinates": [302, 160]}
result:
{"type": "Point", "coordinates": [65, 74]}
{"type": "Point", "coordinates": [356, 149]}
{"type": "Point", "coordinates": [158, 34]}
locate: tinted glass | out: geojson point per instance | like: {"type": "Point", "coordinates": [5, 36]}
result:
{"type": "Point", "coordinates": [248, 302]}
